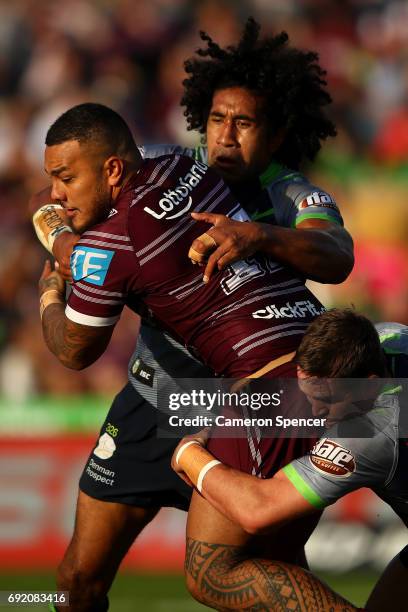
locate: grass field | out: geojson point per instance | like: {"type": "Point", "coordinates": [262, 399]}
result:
{"type": "Point", "coordinates": [166, 593]}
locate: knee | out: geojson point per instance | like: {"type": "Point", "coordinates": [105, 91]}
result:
{"type": "Point", "coordinates": [194, 588]}
{"type": "Point", "coordinates": [86, 591]}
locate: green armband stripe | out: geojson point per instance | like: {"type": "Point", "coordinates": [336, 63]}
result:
{"type": "Point", "coordinates": [390, 336]}
{"type": "Point", "coordinates": [390, 390]}
{"type": "Point", "coordinates": [270, 173]}
{"type": "Point", "coordinates": [323, 216]}
{"type": "Point", "coordinates": [303, 488]}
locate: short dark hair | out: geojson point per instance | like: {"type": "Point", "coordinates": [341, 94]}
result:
{"type": "Point", "coordinates": [96, 123]}
{"type": "Point", "coordinates": [341, 344]}
{"type": "Point", "coordinates": [290, 80]}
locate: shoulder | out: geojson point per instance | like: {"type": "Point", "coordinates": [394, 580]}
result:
{"type": "Point", "coordinates": [297, 187]}
{"type": "Point", "coordinates": [167, 171]}
{"type": "Point", "coordinates": [170, 185]}
{"type": "Point", "coordinates": [371, 438]}
{"type": "Point", "coordinates": [394, 342]}
{"type": "Point", "coordinates": [296, 199]}
{"type": "Point", "coordinates": [393, 337]}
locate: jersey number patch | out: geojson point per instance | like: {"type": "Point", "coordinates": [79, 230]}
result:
{"type": "Point", "coordinates": [240, 273]}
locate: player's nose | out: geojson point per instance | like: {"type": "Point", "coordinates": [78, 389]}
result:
{"type": "Point", "coordinates": [57, 192]}
{"type": "Point", "coordinates": [226, 135]}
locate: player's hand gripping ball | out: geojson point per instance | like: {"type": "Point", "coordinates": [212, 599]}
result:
{"type": "Point", "coordinates": [49, 222]}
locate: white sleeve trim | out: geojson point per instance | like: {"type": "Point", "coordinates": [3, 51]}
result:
{"type": "Point", "coordinates": [83, 319]}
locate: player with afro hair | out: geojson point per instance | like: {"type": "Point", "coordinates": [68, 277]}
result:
{"type": "Point", "coordinates": [290, 81]}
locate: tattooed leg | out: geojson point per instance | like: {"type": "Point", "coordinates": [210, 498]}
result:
{"type": "Point", "coordinates": [225, 580]}
{"type": "Point", "coordinates": [241, 572]}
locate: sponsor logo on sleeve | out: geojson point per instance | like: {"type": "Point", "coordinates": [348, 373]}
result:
{"type": "Point", "coordinates": [330, 458]}
{"type": "Point", "coordinates": [90, 264]}
{"type": "Point", "coordinates": [318, 198]}
{"type": "Point", "coordinates": [106, 447]}
{"type": "Point", "coordinates": [143, 373]}
{"type": "Point", "coordinates": [178, 199]}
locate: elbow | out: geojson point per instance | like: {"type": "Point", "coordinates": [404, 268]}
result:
{"type": "Point", "coordinates": [345, 259]}
{"type": "Point", "coordinates": [261, 522]}
{"type": "Point", "coordinates": [343, 271]}
{"type": "Point", "coordinates": [253, 527]}
{"type": "Point", "coordinates": [78, 366]}
{"type": "Point", "coordinates": [74, 362]}
{"type": "Point", "coordinates": [78, 359]}
{"type": "Point", "coordinates": [338, 268]}
{"type": "Point", "coordinates": [339, 258]}
{"type": "Point", "coordinates": [254, 523]}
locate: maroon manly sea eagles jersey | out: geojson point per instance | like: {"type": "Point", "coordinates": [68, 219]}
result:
{"type": "Point", "coordinates": [248, 314]}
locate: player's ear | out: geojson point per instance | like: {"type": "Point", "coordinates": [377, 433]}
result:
{"type": "Point", "coordinates": [301, 373]}
{"type": "Point", "coordinates": [114, 167]}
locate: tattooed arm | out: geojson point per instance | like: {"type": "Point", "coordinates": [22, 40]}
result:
{"type": "Point", "coordinates": [75, 346]}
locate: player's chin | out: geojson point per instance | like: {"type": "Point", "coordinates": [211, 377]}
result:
{"type": "Point", "coordinates": [231, 174]}
{"type": "Point", "coordinates": [80, 225]}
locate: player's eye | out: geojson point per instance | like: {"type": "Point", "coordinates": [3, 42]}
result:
{"type": "Point", "coordinates": [66, 179]}
{"type": "Point", "coordinates": [243, 124]}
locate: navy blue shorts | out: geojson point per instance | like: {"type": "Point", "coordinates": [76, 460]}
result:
{"type": "Point", "coordinates": [129, 463]}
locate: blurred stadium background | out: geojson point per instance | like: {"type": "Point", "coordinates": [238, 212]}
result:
{"type": "Point", "coordinates": [129, 54]}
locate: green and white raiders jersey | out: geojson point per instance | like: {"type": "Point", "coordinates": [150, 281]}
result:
{"type": "Point", "coordinates": [283, 198]}
{"type": "Point", "coordinates": [338, 465]}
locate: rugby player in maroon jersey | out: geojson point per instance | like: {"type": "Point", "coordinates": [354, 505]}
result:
{"type": "Point", "coordinates": [241, 137]}
{"type": "Point", "coordinates": [135, 229]}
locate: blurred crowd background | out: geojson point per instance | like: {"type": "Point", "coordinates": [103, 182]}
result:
{"type": "Point", "coordinates": [129, 54]}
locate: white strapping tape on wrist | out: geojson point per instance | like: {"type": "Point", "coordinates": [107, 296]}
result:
{"type": "Point", "coordinates": [48, 224]}
{"type": "Point", "coordinates": [183, 448]}
{"type": "Point", "coordinates": [204, 471]}
{"type": "Point", "coordinates": [46, 299]}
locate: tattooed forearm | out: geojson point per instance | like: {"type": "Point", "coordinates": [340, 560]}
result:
{"type": "Point", "coordinates": [75, 346]}
{"type": "Point", "coordinates": [225, 580]}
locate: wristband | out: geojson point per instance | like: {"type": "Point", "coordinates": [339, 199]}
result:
{"type": "Point", "coordinates": [49, 223]}
{"type": "Point", "coordinates": [196, 462]}
{"type": "Point", "coordinates": [204, 471]}
{"type": "Point", "coordinates": [183, 448]}
{"type": "Point", "coordinates": [52, 296]}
